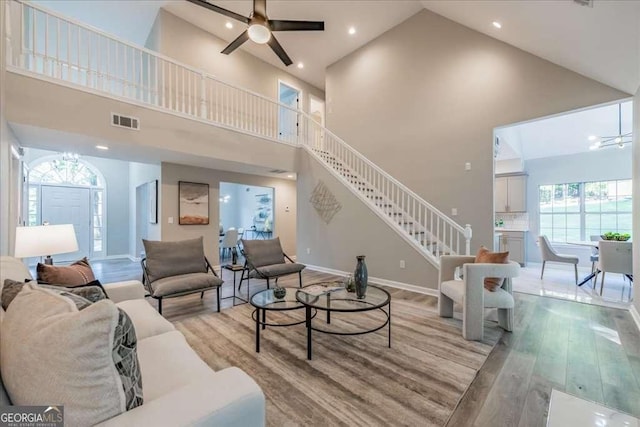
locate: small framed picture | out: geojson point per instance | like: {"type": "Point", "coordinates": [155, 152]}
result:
{"type": "Point", "coordinates": [194, 203]}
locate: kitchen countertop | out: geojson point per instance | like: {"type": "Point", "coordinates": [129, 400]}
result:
{"type": "Point", "coordinates": [521, 230]}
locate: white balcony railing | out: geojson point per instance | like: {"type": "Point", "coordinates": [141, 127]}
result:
{"type": "Point", "coordinates": [48, 45]}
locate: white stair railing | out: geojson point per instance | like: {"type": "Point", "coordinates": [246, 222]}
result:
{"type": "Point", "coordinates": [45, 44]}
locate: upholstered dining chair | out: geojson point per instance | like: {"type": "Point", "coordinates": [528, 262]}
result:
{"type": "Point", "coordinates": [473, 296]}
{"type": "Point", "coordinates": [173, 269]}
{"type": "Point", "coordinates": [265, 259]}
{"type": "Point", "coordinates": [229, 242]}
{"type": "Point", "coordinates": [594, 253]}
{"type": "Point", "coordinates": [550, 255]}
{"type": "Point", "coordinates": [614, 257]}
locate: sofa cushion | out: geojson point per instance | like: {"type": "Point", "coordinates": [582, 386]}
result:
{"type": "Point", "coordinates": [165, 259]}
{"type": "Point", "coordinates": [12, 288]}
{"type": "Point", "coordinates": [499, 298]}
{"type": "Point", "coordinates": [78, 273]}
{"type": "Point", "coordinates": [486, 256]}
{"type": "Point", "coordinates": [51, 352]}
{"type": "Point", "coordinates": [184, 283]}
{"type": "Point", "coordinates": [168, 363]}
{"type": "Point", "coordinates": [263, 252]}
{"type": "Point", "coordinates": [277, 270]}
{"type": "Point", "coordinates": [146, 320]}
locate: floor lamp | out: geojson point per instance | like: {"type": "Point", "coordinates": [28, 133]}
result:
{"type": "Point", "coordinates": [45, 240]}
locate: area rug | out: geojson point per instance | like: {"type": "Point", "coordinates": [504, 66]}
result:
{"type": "Point", "coordinates": [352, 380]}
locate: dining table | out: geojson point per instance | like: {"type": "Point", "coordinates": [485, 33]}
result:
{"type": "Point", "coordinates": [591, 244]}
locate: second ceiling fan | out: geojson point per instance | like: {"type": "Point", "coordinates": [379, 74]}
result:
{"type": "Point", "coordinates": [261, 27]}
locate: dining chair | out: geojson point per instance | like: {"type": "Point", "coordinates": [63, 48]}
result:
{"type": "Point", "coordinates": [594, 252]}
{"type": "Point", "coordinates": [229, 241]}
{"type": "Point", "coordinates": [614, 257]}
{"type": "Point", "coordinates": [550, 255]}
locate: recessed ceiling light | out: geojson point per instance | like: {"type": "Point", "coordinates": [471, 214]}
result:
{"type": "Point", "coordinates": [289, 176]}
{"type": "Point", "coordinates": [102, 147]}
{"type": "Point", "coordinates": [352, 30]}
{"type": "Point", "coordinates": [300, 65]}
{"type": "Point", "coordinates": [229, 25]}
{"type": "Point", "coordinates": [592, 137]}
{"type": "Point", "coordinates": [497, 24]}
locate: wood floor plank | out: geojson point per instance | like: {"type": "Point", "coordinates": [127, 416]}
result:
{"type": "Point", "coordinates": [504, 403]}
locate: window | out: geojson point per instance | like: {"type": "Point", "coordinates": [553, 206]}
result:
{"type": "Point", "coordinates": [576, 211]}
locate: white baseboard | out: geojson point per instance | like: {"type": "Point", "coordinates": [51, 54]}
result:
{"type": "Point", "coordinates": [379, 281]}
{"type": "Point", "coordinates": [635, 315]}
{"type": "Point", "coordinates": [104, 258]}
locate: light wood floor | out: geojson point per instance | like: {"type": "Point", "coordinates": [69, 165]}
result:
{"type": "Point", "coordinates": [589, 351]}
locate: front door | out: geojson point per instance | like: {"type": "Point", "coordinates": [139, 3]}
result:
{"type": "Point", "coordinates": [288, 113]}
{"type": "Point", "coordinates": [69, 205]}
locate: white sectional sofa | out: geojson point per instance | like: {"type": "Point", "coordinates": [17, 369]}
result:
{"type": "Point", "coordinates": [179, 389]}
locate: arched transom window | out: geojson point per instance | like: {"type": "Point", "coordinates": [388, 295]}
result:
{"type": "Point", "coordinates": [60, 171]}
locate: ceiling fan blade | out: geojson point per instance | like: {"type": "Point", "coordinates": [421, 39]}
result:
{"type": "Point", "coordinates": [260, 7]}
{"type": "Point", "coordinates": [236, 43]}
{"type": "Point", "coordinates": [221, 10]}
{"type": "Point", "coordinates": [277, 48]}
{"type": "Point", "coordinates": [280, 25]}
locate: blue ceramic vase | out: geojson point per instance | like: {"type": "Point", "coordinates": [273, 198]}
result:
{"type": "Point", "coordinates": [361, 277]}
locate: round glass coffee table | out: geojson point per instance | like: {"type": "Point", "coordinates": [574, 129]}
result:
{"type": "Point", "coordinates": [265, 300]}
{"type": "Point", "coordinates": [345, 302]}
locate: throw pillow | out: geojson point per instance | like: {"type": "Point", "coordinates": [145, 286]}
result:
{"type": "Point", "coordinates": [92, 293]}
{"type": "Point", "coordinates": [78, 273]}
{"type": "Point", "coordinates": [84, 359]}
{"type": "Point", "coordinates": [165, 259]}
{"type": "Point", "coordinates": [486, 256]}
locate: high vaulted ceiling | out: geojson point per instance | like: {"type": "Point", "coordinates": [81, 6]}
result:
{"type": "Point", "coordinates": [601, 42]}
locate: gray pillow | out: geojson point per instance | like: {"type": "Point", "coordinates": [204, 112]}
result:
{"type": "Point", "coordinates": [263, 252]}
{"type": "Point", "coordinates": [165, 259]}
{"type": "Point", "coordinates": [91, 293]}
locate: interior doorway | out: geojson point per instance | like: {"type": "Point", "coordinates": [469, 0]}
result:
{"type": "Point", "coordinates": [289, 96]}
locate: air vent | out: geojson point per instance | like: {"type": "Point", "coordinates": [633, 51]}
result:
{"type": "Point", "coordinates": [588, 3]}
{"type": "Point", "coordinates": [277, 171]}
{"type": "Point", "coordinates": [119, 120]}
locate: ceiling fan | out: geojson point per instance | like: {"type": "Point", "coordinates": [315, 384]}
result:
{"type": "Point", "coordinates": [261, 27]}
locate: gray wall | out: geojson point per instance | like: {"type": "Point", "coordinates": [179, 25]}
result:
{"type": "Point", "coordinates": [424, 98]}
{"type": "Point", "coordinates": [285, 213]}
{"type": "Point", "coordinates": [116, 175]}
{"type": "Point", "coordinates": [636, 196]}
{"type": "Point", "coordinates": [183, 41]}
{"type": "Point", "coordinates": [600, 165]}
{"type": "Point", "coordinates": [141, 173]}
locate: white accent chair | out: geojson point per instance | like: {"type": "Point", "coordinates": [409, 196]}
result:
{"type": "Point", "coordinates": [550, 255]}
{"type": "Point", "coordinates": [614, 257]}
{"type": "Point", "coordinates": [472, 295]}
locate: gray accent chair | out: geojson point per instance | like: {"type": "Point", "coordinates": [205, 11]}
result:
{"type": "Point", "coordinates": [174, 269]}
{"type": "Point", "coordinates": [265, 259]}
{"type": "Point", "coordinates": [549, 254]}
{"type": "Point", "coordinates": [472, 295]}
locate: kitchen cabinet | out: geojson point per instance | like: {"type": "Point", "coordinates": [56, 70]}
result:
{"type": "Point", "coordinates": [515, 243]}
{"type": "Point", "coordinates": [510, 193]}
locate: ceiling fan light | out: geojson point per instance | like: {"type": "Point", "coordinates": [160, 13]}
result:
{"type": "Point", "coordinates": [618, 140]}
{"type": "Point", "coordinates": [259, 33]}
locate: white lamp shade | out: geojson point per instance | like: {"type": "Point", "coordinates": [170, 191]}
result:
{"type": "Point", "coordinates": [43, 240]}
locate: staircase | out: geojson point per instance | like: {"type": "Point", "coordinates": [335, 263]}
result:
{"type": "Point", "coordinates": [49, 46]}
